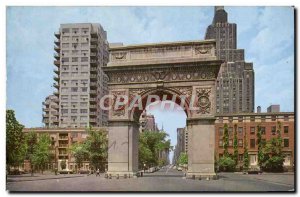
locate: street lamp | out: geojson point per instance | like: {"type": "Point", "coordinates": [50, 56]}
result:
{"type": "Point", "coordinates": [56, 161]}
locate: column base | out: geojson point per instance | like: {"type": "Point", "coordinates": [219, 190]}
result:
{"type": "Point", "coordinates": [202, 176]}
{"type": "Point", "coordinates": [117, 175]}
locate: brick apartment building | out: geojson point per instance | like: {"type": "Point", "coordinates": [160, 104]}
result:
{"type": "Point", "coordinates": [247, 124]}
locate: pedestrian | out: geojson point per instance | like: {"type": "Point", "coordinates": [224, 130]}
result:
{"type": "Point", "coordinates": [98, 172]}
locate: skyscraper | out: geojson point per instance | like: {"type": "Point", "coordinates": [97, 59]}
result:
{"type": "Point", "coordinates": [235, 82]}
{"type": "Point", "coordinates": [81, 52]}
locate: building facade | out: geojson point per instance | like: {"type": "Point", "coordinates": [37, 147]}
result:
{"type": "Point", "coordinates": [61, 142]}
{"type": "Point", "coordinates": [147, 122]}
{"type": "Point", "coordinates": [235, 82]}
{"type": "Point", "coordinates": [81, 52]}
{"type": "Point", "coordinates": [51, 111]}
{"type": "Point", "coordinates": [182, 143]}
{"type": "Point", "coordinates": [246, 124]}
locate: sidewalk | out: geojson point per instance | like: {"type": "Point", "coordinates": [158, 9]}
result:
{"type": "Point", "coordinates": [39, 176]}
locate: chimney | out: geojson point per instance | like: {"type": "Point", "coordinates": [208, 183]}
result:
{"type": "Point", "coordinates": [258, 109]}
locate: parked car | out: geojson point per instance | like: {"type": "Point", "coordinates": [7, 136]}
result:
{"type": "Point", "coordinates": [179, 168]}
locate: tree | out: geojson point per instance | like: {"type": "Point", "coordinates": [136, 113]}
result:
{"type": "Point", "coordinates": [30, 145]}
{"type": "Point", "coordinates": [246, 155]}
{"type": "Point", "coordinates": [63, 164]}
{"type": "Point", "coordinates": [14, 141]}
{"type": "Point", "coordinates": [150, 144]}
{"type": "Point", "coordinates": [80, 153]}
{"type": "Point", "coordinates": [97, 146]}
{"type": "Point", "coordinates": [225, 140]}
{"type": "Point", "coordinates": [183, 159]}
{"type": "Point", "coordinates": [41, 154]}
{"type": "Point", "coordinates": [273, 156]}
{"type": "Point", "coordinates": [226, 164]}
{"type": "Point", "coordinates": [235, 146]}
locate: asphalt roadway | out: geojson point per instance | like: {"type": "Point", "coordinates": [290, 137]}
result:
{"type": "Point", "coordinates": [166, 179]}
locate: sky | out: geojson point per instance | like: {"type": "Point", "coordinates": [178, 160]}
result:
{"type": "Point", "coordinates": [266, 34]}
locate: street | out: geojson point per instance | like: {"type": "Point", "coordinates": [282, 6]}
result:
{"type": "Point", "coordinates": [166, 179]}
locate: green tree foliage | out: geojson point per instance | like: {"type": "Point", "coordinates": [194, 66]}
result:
{"type": "Point", "coordinates": [246, 155]}
{"type": "Point", "coordinates": [235, 146]}
{"type": "Point", "coordinates": [226, 164]}
{"type": "Point", "coordinates": [150, 144]}
{"type": "Point", "coordinates": [29, 146]}
{"type": "Point", "coordinates": [63, 164]}
{"type": "Point", "coordinates": [97, 146]}
{"type": "Point", "coordinates": [14, 140]}
{"type": "Point", "coordinates": [80, 153]}
{"type": "Point", "coordinates": [183, 159]}
{"type": "Point", "coordinates": [273, 157]}
{"type": "Point", "coordinates": [41, 154]}
{"type": "Point", "coordinates": [226, 140]}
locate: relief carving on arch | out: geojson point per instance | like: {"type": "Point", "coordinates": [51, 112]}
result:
{"type": "Point", "coordinates": [120, 110]}
{"type": "Point", "coordinates": [147, 76]}
{"type": "Point", "coordinates": [203, 49]}
{"type": "Point", "coordinates": [203, 102]}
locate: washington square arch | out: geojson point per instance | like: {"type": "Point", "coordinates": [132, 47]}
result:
{"type": "Point", "coordinates": [184, 72]}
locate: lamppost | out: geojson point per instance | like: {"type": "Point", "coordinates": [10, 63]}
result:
{"type": "Point", "coordinates": [56, 161]}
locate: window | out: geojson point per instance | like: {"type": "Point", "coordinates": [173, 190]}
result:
{"type": "Point", "coordinates": [73, 111]}
{"type": "Point", "coordinates": [84, 59]}
{"type": "Point", "coordinates": [263, 118]}
{"type": "Point", "coordinates": [286, 118]}
{"type": "Point", "coordinates": [241, 157]}
{"type": "Point", "coordinates": [63, 111]}
{"type": "Point", "coordinates": [221, 131]}
{"type": "Point", "coordinates": [240, 130]}
{"type": "Point", "coordinates": [263, 130]}
{"type": "Point", "coordinates": [220, 143]}
{"type": "Point", "coordinates": [75, 52]}
{"type": "Point", "coordinates": [65, 59]}
{"type": "Point", "coordinates": [240, 118]}
{"type": "Point", "coordinates": [252, 118]}
{"type": "Point", "coordinates": [74, 97]}
{"type": "Point", "coordinates": [230, 130]}
{"type": "Point", "coordinates": [286, 129]}
{"type": "Point", "coordinates": [240, 142]}
{"type": "Point", "coordinates": [74, 135]}
{"type": "Point", "coordinates": [263, 142]}
{"type": "Point", "coordinates": [84, 89]}
{"type": "Point", "coordinates": [273, 118]}
{"type": "Point", "coordinates": [252, 143]}
{"type": "Point", "coordinates": [83, 111]}
{"type": "Point", "coordinates": [74, 59]}
{"type": "Point", "coordinates": [286, 142]}
{"type": "Point", "coordinates": [74, 89]}
{"type": "Point", "coordinates": [83, 104]}
{"type": "Point", "coordinates": [273, 130]}
{"type": "Point", "coordinates": [230, 143]}
{"type": "Point", "coordinates": [252, 130]}
{"type": "Point", "coordinates": [65, 30]}
{"type": "Point", "coordinates": [64, 90]}
{"type": "Point", "coordinates": [84, 67]}
{"type": "Point", "coordinates": [84, 118]}
{"type": "Point", "coordinates": [65, 45]}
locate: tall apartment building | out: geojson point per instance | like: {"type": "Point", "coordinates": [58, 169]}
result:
{"type": "Point", "coordinates": [50, 109]}
{"type": "Point", "coordinates": [235, 82]}
{"type": "Point", "coordinates": [147, 123]}
{"type": "Point", "coordinates": [81, 52]}
{"type": "Point", "coordinates": [181, 145]}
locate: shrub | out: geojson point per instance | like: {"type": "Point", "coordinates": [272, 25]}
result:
{"type": "Point", "coordinates": [273, 164]}
{"type": "Point", "coordinates": [226, 164]}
